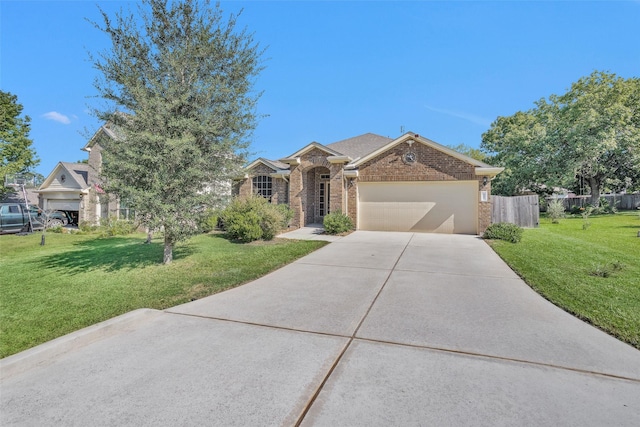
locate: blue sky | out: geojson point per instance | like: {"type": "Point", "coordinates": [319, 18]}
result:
{"type": "Point", "coordinates": [335, 70]}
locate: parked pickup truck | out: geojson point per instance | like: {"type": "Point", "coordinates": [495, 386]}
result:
{"type": "Point", "coordinates": [14, 218]}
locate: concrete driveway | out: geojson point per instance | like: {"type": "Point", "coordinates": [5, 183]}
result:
{"type": "Point", "coordinates": [375, 329]}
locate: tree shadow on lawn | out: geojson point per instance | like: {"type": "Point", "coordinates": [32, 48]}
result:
{"type": "Point", "coordinates": [112, 254]}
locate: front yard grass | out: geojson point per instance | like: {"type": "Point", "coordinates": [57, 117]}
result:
{"type": "Point", "coordinates": [79, 280]}
{"type": "Point", "coordinates": [593, 273]}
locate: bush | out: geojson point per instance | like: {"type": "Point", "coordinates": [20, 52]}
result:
{"type": "Point", "coordinates": [209, 220]}
{"type": "Point", "coordinates": [336, 223]}
{"type": "Point", "coordinates": [555, 211]}
{"type": "Point", "coordinates": [253, 218]}
{"type": "Point", "coordinates": [111, 226]}
{"type": "Point", "coordinates": [504, 231]}
{"type": "Point", "coordinates": [56, 229]}
{"type": "Point", "coordinates": [87, 227]}
{"type": "Point", "coordinates": [606, 207]}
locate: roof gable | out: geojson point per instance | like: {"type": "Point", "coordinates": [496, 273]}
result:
{"type": "Point", "coordinates": [310, 147]}
{"type": "Point", "coordinates": [76, 176]}
{"type": "Point", "coordinates": [272, 164]}
{"type": "Point", "coordinates": [409, 136]}
{"type": "Point", "coordinates": [107, 130]}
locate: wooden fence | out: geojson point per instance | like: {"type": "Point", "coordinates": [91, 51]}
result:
{"type": "Point", "coordinates": [521, 210]}
{"type": "Point", "coordinates": [620, 201]}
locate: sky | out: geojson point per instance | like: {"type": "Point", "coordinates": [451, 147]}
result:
{"type": "Point", "coordinates": [338, 69]}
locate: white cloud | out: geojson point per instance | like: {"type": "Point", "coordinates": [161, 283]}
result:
{"type": "Point", "coordinates": [481, 121]}
{"type": "Point", "coordinates": [57, 117]}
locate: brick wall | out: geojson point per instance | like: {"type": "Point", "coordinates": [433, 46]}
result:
{"type": "Point", "coordinates": [430, 165]}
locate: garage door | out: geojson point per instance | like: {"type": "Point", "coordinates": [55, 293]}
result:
{"type": "Point", "coordinates": [439, 207]}
{"type": "Point", "coordinates": [63, 205]}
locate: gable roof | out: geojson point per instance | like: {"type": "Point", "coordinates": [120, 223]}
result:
{"type": "Point", "coordinates": [77, 174]}
{"type": "Point", "coordinates": [410, 136]}
{"type": "Point", "coordinates": [273, 164]}
{"type": "Point", "coordinates": [361, 145]}
{"type": "Point", "coordinates": [108, 130]}
{"type": "Point", "coordinates": [359, 149]}
{"type": "Point", "coordinates": [309, 147]}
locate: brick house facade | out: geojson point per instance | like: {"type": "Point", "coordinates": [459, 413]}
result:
{"type": "Point", "coordinates": [406, 184]}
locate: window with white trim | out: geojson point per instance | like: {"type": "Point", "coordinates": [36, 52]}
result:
{"type": "Point", "coordinates": [262, 185]}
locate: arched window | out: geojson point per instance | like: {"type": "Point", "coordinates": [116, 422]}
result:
{"type": "Point", "coordinates": [262, 186]}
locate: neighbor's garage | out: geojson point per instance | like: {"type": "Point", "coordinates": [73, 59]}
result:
{"type": "Point", "coordinates": [62, 205]}
{"type": "Point", "coordinates": [433, 206]}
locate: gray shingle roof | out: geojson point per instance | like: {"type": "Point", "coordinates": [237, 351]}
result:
{"type": "Point", "coordinates": [360, 146]}
{"type": "Point", "coordinates": [277, 164]}
{"type": "Point", "coordinates": [80, 172]}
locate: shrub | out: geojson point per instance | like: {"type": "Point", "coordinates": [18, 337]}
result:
{"type": "Point", "coordinates": [576, 210]}
{"type": "Point", "coordinates": [504, 231]}
{"type": "Point", "coordinates": [253, 218]}
{"type": "Point", "coordinates": [111, 226]}
{"type": "Point", "coordinates": [585, 217]}
{"type": "Point", "coordinates": [336, 223]}
{"type": "Point", "coordinates": [209, 220]}
{"type": "Point", "coordinates": [56, 229]}
{"type": "Point", "coordinates": [287, 214]}
{"type": "Point", "coordinates": [606, 207]}
{"type": "Point", "coordinates": [555, 211]}
{"type": "Point", "coordinates": [87, 227]}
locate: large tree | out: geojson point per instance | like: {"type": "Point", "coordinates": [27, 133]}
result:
{"type": "Point", "coordinates": [16, 153]}
{"type": "Point", "coordinates": [591, 134]}
{"type": "Point", "coordinates": [179, 82]}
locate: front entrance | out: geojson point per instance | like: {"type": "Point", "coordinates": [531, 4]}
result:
{"type": "Point", "coordinates": [319, 195]}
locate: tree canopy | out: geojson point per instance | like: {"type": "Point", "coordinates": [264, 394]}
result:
{"type": "Point", "coordinates": [17, 154]}
{"type": "Point", "coordinates": [590, 134]}
{"type": "Point", "coordinates": [178, 81]}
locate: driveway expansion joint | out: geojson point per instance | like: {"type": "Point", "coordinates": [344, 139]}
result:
{"type": "Point", "coordinates": [501, 358]}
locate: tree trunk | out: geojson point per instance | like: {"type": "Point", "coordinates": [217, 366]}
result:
{"type": "Point", "coordinates": [168, 251]}
{"type": "Point", "coordinates": [149, 236]}
{"type": "Point", "coordinates": [594, 185]}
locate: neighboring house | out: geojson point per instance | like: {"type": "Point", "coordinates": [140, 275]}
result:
{"type": "Point", "coordinates": [405, 184]}
{"type": "Point", "coordinates": [77, 187]}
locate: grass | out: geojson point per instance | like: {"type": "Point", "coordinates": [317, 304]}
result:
{"type": "Point", "coordinates": [593, 273]}
{"type": "Point", "coordinates": [78, 280]}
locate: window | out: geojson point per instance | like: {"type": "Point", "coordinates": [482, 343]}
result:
{"type": "Point", "coordinates": [126, 212]}
{"type": "Point", "coordinates": [262, 186]}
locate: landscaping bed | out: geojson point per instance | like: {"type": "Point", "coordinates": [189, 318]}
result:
{"type": "Point", "coordinates": [590, 271]}
{"type": "Point", "coordinates": [78, 280]}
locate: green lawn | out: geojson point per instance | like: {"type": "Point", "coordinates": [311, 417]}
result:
{"type": "Point", "coordinates": [78, 280]}
{"type": "Point", "coordinates": [565, 263]}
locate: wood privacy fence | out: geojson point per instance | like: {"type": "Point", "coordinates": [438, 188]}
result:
{"type": "Point", "coordinates": [620, 201]}
{"type": "Point", "coordinates": [521, 210]}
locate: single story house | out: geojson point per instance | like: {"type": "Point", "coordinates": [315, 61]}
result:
{"type": "Point", "coordinates": [409, 183]}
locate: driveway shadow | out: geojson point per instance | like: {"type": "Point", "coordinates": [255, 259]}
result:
{"type": "Point", "coordinates": [111, 254]}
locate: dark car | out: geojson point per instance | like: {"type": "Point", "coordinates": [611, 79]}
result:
{"type": "Point", "coordinates": [54, 218]}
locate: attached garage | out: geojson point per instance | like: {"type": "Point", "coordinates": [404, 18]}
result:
{"type": "Point", "coordinates": [63, 204]}
{"type": "Point", "coordinates": [432, 206]}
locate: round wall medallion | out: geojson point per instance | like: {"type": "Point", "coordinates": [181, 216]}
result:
{"type": "Point", "coordinates": [409, 157]}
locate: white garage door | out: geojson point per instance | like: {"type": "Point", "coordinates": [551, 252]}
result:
{"type": "Point", "coordinates": [63, 205]}
{"type": "Point", "coordinates": [439, 207]}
